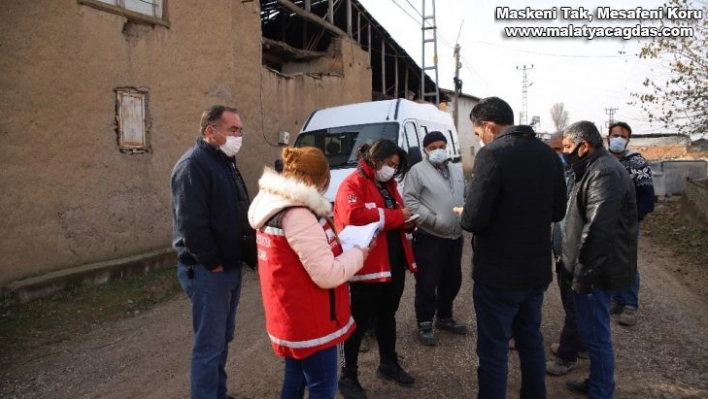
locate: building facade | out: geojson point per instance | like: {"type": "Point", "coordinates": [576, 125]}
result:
{"type": "Point", "coordinates": [101, 97]}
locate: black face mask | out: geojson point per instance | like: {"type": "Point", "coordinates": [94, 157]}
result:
{"type": "Point", "coordinates": [573, 157]}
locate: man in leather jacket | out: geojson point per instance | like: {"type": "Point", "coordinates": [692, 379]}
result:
{"type": "Point", "coordinates": [599, 247]}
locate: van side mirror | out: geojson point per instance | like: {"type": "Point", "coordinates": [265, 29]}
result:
{"type": "Point", "coordinates": [414, 155]}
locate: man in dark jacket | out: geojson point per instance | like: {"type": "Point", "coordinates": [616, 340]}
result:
{"type": "Point", "coordinates": [599, 247]}
{"type": "Point", "coordinates": [626, 302]}
{"type": "Point", "coordinates": [209, 211]}
{"type": "Point", "coordinates": [517, 190]}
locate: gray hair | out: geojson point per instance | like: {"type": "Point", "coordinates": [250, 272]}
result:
{"type": "Point", "coordinates": [584, 131]}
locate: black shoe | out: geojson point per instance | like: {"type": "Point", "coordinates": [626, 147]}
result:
{"type": "Point", "coordinates": [578, 386]}
{"type": "Point", "coordinates": [349, 385]}
{"type": "Point", "coordinates": [425, 333]}
{"type": "Point", "coordinates": [396, 373]}
{"type": "Point", "coordinates": [451, 325]}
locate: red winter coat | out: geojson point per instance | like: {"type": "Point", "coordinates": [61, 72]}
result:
{"type": "Point", "coordinates": [359, 202]}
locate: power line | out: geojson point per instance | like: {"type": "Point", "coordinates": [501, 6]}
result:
{"type": "Point", "coordinates": [553, 55]}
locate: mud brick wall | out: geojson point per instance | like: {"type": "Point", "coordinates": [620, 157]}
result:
{"type": "Point", "coordinates": [695, 201]}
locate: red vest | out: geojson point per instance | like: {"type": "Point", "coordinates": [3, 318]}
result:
{"type": "Point", "coordinates": [301, 318]}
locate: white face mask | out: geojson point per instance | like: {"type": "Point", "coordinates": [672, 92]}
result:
{"type": "Point", "coordinates": [385, 174]}
{"type": "Point", "coordinates": [232, 145]}
{"type": "Point", "coordinates": [437, 156]}
{"type": "Point", "coordinates": [618, 144]}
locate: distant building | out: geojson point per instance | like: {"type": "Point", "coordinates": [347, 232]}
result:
{"type": "Point", "coordinates": [469, 143]}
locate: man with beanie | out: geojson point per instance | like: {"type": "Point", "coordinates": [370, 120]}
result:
{"type": "Point", "coordinates": [432, 189]}
{"type": "Point", "coordinates": [517, 190]}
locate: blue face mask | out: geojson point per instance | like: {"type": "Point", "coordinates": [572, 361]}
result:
{"type": "Point", "coordinates": [437, 156]}
{"type": "Point", "coordinates": [563, 161]}
{"type": "Point", "coordinates": [618, 144]}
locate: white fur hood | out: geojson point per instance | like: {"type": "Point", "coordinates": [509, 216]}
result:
{"type": "Point", "coordinates": [277, 192]}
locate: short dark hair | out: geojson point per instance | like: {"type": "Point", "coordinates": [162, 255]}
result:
{"type": "Point", "coordinates": [492, 109]}
{"type": "Point", "coordinates": [382, 149]}
{"type": "Point", "coordinates": [584, 131]}
{"type": "Point", "coordinates": [213, 114]}
{"type": "Point", "coordinates": [623, 125]}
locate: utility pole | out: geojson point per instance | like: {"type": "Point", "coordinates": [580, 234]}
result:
{"type": "Point", "coordinates": [427, 38]}
{"type": "Point", "coordinates": [611, 112]}
{"type": "Point", "coordinates": [458, 82]}
{"type": "Point", "coordinates": [524, 94]}
{"type": "Point", "coordinates": [458, 86]}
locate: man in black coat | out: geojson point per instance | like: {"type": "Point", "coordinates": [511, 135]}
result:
{"type": "Point", "coordinates": [212, 238]}
{"type": "Point", "coordinates": [599, 247]}
{"type": "Point", "coordinates": [517, 190]}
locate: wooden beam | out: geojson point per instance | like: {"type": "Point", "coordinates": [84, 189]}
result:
{"type": "Point", "coordinates": [395, 84]}
{"type": "Point", "coordinates": [311, 17]}
{"type": "Point", "coordinates": [358, 27]}
{"type": "Point", "coordinates": [368, 44]}
{"type": "Point", "coordinates": [383, 65]}
{"type": "Point", "coordinates": [405, 85]}
{"type": "Point", "coordinates": [349, 18]}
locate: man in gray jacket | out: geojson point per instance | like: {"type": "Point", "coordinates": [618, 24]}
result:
{"type": "Point", "coordinates": [432, 189]}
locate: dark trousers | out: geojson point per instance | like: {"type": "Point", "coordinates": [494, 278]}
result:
{"type": "Point", "coordinates": [499, 313]}
{"type": "Point", "coordinates": [377, 303]}
{"type": "Point", "coordinates": [570, 343]}
{"type": "Point", "coordinates": [439, 275]}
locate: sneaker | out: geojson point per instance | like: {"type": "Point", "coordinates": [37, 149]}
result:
{"type": "Point", "coordinates": [349, 385]}
{"type": "Point", "coordinates": [578, 386]}
{"type": "Point", "coordinates": [451, 325]}
{"type": "Point", "coordinates": [581, 355]}
{"type": "Point", "coordinates": [396, 373]}
{"type": "Point", "coordinates": [616, 307]}
{"type": "Point", "coordinates": [628, 317]}
{"type": "Point", "coordinates": [425, 333]}
{"type": "Point", "coordinates": [558, 366]}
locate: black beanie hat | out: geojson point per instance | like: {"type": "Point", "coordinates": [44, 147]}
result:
{"type": "Point", "coordinates": [432, 137]}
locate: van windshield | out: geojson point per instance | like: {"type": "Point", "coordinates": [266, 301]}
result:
{"type": "Point", "coordinates": [340, 144]}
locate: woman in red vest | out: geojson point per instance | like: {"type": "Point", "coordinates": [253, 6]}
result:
{"type": "Point", "coordinates": [303, 272]}
{"type": "Point", "coordinates": [368, 195]}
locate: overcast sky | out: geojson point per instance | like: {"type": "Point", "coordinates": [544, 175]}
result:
{"type": "Point", "coordinates": [587, 75]}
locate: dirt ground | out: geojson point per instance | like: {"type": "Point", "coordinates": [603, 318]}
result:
{"type": "Point", "coordinates": [147, 355]}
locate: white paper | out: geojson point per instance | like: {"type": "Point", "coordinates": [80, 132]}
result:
{"type": "Point", "coordinates": [360, 236]}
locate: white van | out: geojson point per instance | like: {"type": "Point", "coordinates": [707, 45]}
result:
{"type": "Point", "coordinates": [340, 131]}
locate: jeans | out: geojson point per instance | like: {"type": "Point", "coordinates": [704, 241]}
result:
{"type": "Point", "coordinates": [593, 318]}
{"type": "Point", "coordinates": [318, 373]}
{"type": "Point", "coordinates": [439, 275]}
{"type": "Point", "coordinates": [629, 296]}
{"type": "Point", "coordinates": [499, 313]}
{"type": "Point", "coordinates": [214, 298]}
{"type": "Point", "coordinates": [570, 342]}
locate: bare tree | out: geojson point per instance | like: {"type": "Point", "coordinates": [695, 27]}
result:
{"type": "Point", "coordinates": [680, 100]}
{"type": "Point", "coordinates": [559, 116]}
